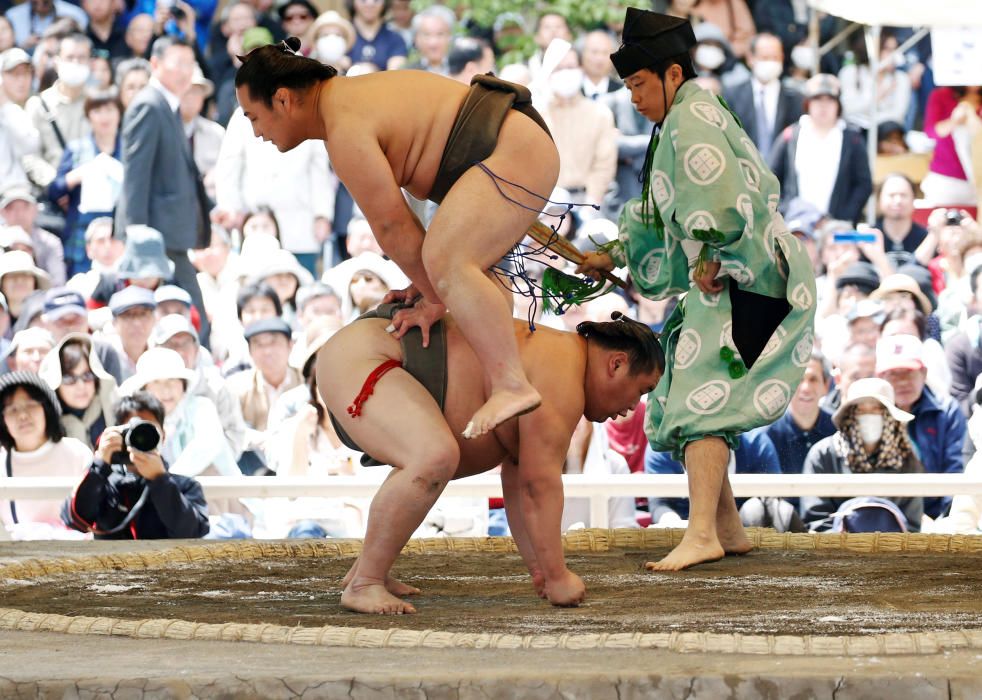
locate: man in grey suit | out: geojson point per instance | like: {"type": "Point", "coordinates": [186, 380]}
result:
{"type": "Point", "coordinates": [161, 184]}
{"type": "Point", "coordinates": [763, 102]}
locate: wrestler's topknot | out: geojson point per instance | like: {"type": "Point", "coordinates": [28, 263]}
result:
{"type": "Point", "coordinates": [266, 69]}
{"type": "Point", "coordinates": [627, 335]}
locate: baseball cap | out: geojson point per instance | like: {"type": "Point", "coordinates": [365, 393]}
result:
{"type": "Point", "coordinates": [17, 193]}
{"type": "Point", "coordinates": [255, 37]}
{"type": "Point", "coordinates": [170, 292]}
{"type": "Point", "coordinates": [61, 301]}
{"type": "Point", "coordinates": [169, 326]}
{"type": "Point", "coordinates": [130, 298]}
{"type": "Point", "coordinates": [268, 325]}
{"type": "Point", "coordinates": [899, 352]}
{"type": "Point", "coordinates": [11, 58]}
{"type": "Point", "coordinates": [866, 308]}
{"type": "Point", "coordinates": [823, 84]}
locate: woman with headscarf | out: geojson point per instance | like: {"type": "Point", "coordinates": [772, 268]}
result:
{"type": "Point", "coordinates": [871, 439]}
{"type": "Point", "coordinates": [85, 391]}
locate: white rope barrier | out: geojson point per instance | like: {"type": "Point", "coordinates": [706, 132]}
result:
{"type": "Point", "coordinates": [597, 488]}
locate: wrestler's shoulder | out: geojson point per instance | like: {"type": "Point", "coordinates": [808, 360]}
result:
{"type": "Point", "coordinates": [554, 348]}
{"type": "Point", "coordinates": [413, 85]}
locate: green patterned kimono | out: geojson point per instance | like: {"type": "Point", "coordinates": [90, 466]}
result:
{"type": "Point", "coordinates": [716, 200]}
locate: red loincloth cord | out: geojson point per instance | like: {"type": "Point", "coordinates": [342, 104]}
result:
{"type": "Point", "coordinates": [354, 410]}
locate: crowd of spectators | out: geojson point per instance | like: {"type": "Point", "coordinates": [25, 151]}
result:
{"type": "Point", "coordinates": [161, 266]}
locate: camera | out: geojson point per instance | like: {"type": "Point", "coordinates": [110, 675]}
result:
{"type": "Point", "coordinates": [140, 435]}
{"type": "Point", "coordinates": [952, 217]}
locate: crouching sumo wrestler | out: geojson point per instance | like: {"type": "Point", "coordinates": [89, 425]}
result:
{"type": "Point", "coordinates": [406, 405]}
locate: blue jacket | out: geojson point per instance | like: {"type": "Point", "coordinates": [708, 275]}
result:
{"type": "Point", "coordinates": [938, 432]}
{"type": "Point", "coordinates": [755, 455]}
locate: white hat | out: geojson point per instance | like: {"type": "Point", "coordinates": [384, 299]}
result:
{"type": "Point", "coordinates": [871, 388]}
{"type": "Point", "coordinates": [900, 351]}
{"type": "Point", "coordinates": [277, 262]}
{"type": "Point", "coordinates": [154, 364]}
{"type": "Point", "coordinates": [19, 261]}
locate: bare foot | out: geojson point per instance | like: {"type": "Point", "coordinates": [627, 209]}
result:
{"type": "Point", "coordinates": [392, 584]}
{"type": "Point", "coordinates": [375, 600]}
{"type": "Point", "coordinates": [501, 406]}
{"type": "Point", "coordinates": [398, 588]}
{"type": "Point", "coordinates": [692, 550]}
{"type": "Point", "coordinates": [732, 537]}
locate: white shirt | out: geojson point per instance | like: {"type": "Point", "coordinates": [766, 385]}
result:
{"type": "Point", "coordinates": [173, 101]}
{"type": "Point", "coordinates": [816, 162]}
{"type": "Point", "coordinates": [595, 90]}
{"type": "Point", "coordinates": [771, 92]}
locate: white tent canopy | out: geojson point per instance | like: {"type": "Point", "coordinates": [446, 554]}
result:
{"type": "Point", "coordinates": [905, 13]}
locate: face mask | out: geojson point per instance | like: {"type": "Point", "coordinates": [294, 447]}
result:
{"type": "Point", "coordinates": [331, 48]}
{"type": "Point", "coordinates": [766, 71]}
{"type": "Point", "coordinates": [870, 427]}
{"type": "Point", "coordinates": [73, 74]}
{"type": "Point", "coordinates": [710, 57]}
{"type": "Point", "coordinates": [566, 82]}
{"type": "Point", "coordinates": [803, 57]}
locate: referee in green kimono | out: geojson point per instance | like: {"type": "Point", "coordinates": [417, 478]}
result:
{"type": "Point", "coordinates": [707, 227]}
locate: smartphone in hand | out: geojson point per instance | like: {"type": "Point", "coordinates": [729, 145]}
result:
{"type": "Point", "coordinates": [853, 237]}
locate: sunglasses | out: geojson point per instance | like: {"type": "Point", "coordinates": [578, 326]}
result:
{"type": "Point", "coordinates": [69, 379]}
{"type": "Point", "coordinates": [294, 17]}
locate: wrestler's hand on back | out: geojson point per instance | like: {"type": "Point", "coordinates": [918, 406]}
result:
{"type": "Point", "coordinates": [401, 295]}
{"type": "Point", "coordinates": [423, 314]}
{"type": "Point", "coordinates": [566, 591]}
{"type": "Point", "coordinates": [594, 264]}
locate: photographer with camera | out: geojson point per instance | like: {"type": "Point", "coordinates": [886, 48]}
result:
{"type": "Point", "coordinates": [128, 492]}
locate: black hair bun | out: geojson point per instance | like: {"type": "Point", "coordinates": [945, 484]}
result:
{"type": "Point", "coordinates": [292, 43]}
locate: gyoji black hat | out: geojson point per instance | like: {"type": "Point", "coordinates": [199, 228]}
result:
{"type": "Point", "coordinates": [650, 37]}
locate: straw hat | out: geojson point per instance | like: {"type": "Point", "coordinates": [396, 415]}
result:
{"type": "Point", "coordinates": [903, 283]}
{"type": "Point", "coordinates": [871, 388]}
{"type": "Point", "coordinates": [317, 333]}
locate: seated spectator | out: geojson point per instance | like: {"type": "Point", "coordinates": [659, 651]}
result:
{"type": "Point", "coordinates": [821, 160]}
{"type": "Point", "coordinates": [865, 319]}
{"type": "Point", "coordinates": [363, 281]}
{"type": "Point", "coordinates": [330, 39]}
{"type": "Point", "coordinates": [938, 428]}
{"type": "Point", "coordinates": [195, 442]}
{"type": "Point", "coordinates": [375, 43]}
{"type": "Point", "coordinates": [176, 333]}
{"type": "Point", "coordinates": [217, 267]}
{"type": "Point", "coordinates": [857, 361]}
{"type": "Point", "coordinates": [433, 28]}
{"type": "Point", "coordinates": [871, 438]}
{"type": "Point", "coordinates": [132, 309]}
{"type": "Point", "coordinates": [144, 263]}
{"type": "Point", "coordinates": [584, 133]}
{"type": "Point", "coordinates": [258, 389]}
{"type": "Point", "coordinates": [103, 252]}
{"type": "Point", "coordinates": [132, 75]}
{"type": "Point", "coordinates": [316, 301]}
{"type": "Point", "coordinates": [892, 87]}
{"type": "Point", "coordinates": [590, 453]}
{"type": "Point", "coordinates": [30, 19]}
{"type": "Point", "coordinates": [254, 303]}
{"type": "Point", "coordinates": [904, 240]}
{"type": "Point", "coordinates": [90, 175]}
{"type": "Point", "coordinates": [754, 455]}
{"type": "Point", "coordinates": [844, 289]}
{"type": "Point", "coordinates": [34, 444]}
{"type": "Point", "coordinates": [907, 321]}
{"type": "Point", "coordinates": [171, 299]}
{"type": "Point", "coordinates": [19, 278]}
{"type": "Point", "coordinates": [296, 18]}
{"type": "Point", "coordinates": [64, 313]}
{"type": "Point", "coordinates": [28, 349]}
{"type": "Point", "coordinates": [891, 139]}
{"type": "Point", "coordinates": [281, 271]}
{"type": "Point", "coordinates": [803, 220]}
{"type": "Point", "coordinates": [805, 422]}
{"type": "Point", "coordinates": [141, 499]}
{"type": "Point", "coordinates": [86, 392]}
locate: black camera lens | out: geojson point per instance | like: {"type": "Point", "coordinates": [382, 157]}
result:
{"type": "Point", "coordinates": [953, 217]}
{"type": "Point", "coordinates": [143, 436]}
